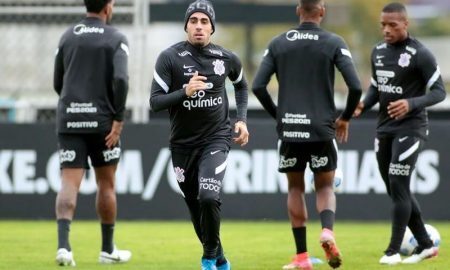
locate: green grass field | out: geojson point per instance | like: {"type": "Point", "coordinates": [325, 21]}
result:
{"type": "Point", "coordinates": [172, 245]}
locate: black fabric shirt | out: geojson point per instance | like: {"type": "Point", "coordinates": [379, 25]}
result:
{"type": "Point", "coordinates": [304, 61]}
{"type": "Point", "coordinates": [91, 77]}
{"type": "Point", "coordinates": [404, 71]}
{"type": "Point", "coordinates": [203, 117]}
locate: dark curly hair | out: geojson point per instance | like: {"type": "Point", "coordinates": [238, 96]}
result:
{"type": "Point", "coordinates": [95, 6]}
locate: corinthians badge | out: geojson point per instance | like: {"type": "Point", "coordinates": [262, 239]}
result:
{"type": "Point", "coordinates": [219, 67]}
{"type": "Point", "coordinates": [404, 60]}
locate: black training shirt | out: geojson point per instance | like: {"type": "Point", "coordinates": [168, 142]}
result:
{"type": "Point", "coordinates": [91, 77]}
{"type": "Point", "coordinates": [203, 117]}
{"type": "Point", "coordinates": [304, 61]}
{"type": "Point", "coordinates": [404, 70]}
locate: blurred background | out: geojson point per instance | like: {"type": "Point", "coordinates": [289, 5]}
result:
{"type": "Point", "coordinates": [30, 30]}
{"type": "Point", "coordinates": [146, 185]}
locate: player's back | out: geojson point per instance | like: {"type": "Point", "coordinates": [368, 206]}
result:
{"type": "Point", "coordinates": [305, 66]}
{"type": "Point", "coordinates": [86, 53]}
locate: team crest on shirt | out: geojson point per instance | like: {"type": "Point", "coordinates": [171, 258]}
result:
{"type": "Point", "coordinates": [219, 67]}
{"type": "Point", "coordinates": [404, 60]}
{"type": "Point", "coordinates": [179, 174]}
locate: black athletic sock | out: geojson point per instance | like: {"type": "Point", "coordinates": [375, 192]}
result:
{"type": "Point", "coordinates": [63, 233]}
{"type": "Point", "coordinates": [220, 256]}
{"type": "Point", "coordinates": [300, 239]}
{"type": "Point", "coordinates": [327, 219]}
{"type": "Point", "coordinates": [107, 238]}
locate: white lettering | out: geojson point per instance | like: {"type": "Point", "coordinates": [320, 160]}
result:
{"type": "Point", "coordinates": [294, 35]}
{"type": "Point", "coordinates": [24, 171]}
{"type": "Point", "coordinates": [6, 157]}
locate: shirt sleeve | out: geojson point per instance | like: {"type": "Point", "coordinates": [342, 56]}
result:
{"type": "Point", "coordinates": [120, 78]}
{"type": "Point", "coordinates": [58, 74]}
{"type": "Point", "coordinates": [161, 96]}
{"type": "Point", "coordinates": [432, 76]}
{"type": "Point", "coordinates": [344, 63]}
{"type": "Point", "coordinates": [372, 97]}
{"type": "Point", "coordinates": [240, 87]}
{"type": "Point", "coordinates": [262, 79]}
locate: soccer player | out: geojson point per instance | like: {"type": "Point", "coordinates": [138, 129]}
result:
{"type": "Point", "coordinates": [91, 79]}
{"type": "Point", "coordinates": [303, 60]}
{"type": "Point", "coordinates": [189, 81]}
{"type": "Point", "coordinates": [402, 71]}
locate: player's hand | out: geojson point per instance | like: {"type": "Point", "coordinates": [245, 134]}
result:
{"type": "Point", "coordinates": [342, 130]}
{"type": "Point", "coordinates": [112, 139]}
{"type": "Point", "coordinates": [195, 84]}
{"type": "Point", "coordinates": [358, 109]}
{"type": "Point", "coordinates": [240, 128]}
{"type": "Point", "coordinates": [399, 108]}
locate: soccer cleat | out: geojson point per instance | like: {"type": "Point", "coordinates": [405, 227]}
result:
{"type": "Point", "coordinates": [117, 256]}
{"type": "Point", "coordinates": [391, 259]}
{"type": "Point", "coordinates": [331, 250]}
{"type": "Point", "coordinates": [209, 264]}
{"type": "Point", "coordinates": [64, 257]}
{"type": "Point", "coordinates": [224, 266]}
{"type": "Point", "coordinates": [421, 254]}
{"type": "Point", "coordinates": [299, 262]}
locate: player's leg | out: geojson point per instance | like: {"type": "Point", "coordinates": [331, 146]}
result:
{"type": "Point", "coordinates": [293, 163]}
{"type": "Point", "coordinates": [323, 163]}
{"type": "Point", "coordinates": [383, 150]}
{"type": "Point", "coordinates": [407, 149]}
{"type": "Point", "coordinates": [185, 166]}
{"type": "Point", "coordinates": [211, 172]}
{"type": "Point", "coordinates": [73, 161]}
{"type": "Point", "coordinates": [105, 162]}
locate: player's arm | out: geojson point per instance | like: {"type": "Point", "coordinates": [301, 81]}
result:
{"type": "Point", "coordinates": [120, 79]}
{"type": "Point", "coordinates": [432, 75]}
{"type": "Point", "coordinates": [372, 96]}
{"type": "Point", "coordinates": [58, 74]}
{"type": "Point", "coordinates": [241, 96]}
{"type": "Point", "coordinates": [162, 96]}
{"type": "Point", "coordinates": [120, 90]}
{"type": "Point", "coordinates": [262, 79]}
{"type": "Point", "coordinates": [344, 63]}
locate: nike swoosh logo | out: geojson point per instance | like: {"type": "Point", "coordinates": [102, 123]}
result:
{"type": "Point", "coordinates": [117, 259]}
{"type": "Point", "coordinates": [380, 56]}
{"type": "Point", "coordinates": [184, 66]}
{"type": "Point", "coordinates": [402, 139]}
{"type": "Point", "coordinates": [215, 152]}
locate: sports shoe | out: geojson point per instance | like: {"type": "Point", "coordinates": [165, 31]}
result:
{"type": "Point", "coordinates": [331, 250]}
{"type": "Point", "coordinates": [64, 257]}
{"type": "Point", "coordinates": [299, 262]}
{"type": "Point", "coordinates": [391, 259]}
{"type": "Point", "coordinates": [117, 256]}
{"type": "Point", "coordinates": [420, 254]}
{"type": "Point", "coordinates": [224, 266]}
{"type": "Point", "coordinates": [209, 264]}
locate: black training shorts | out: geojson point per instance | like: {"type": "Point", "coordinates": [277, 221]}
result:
{"type": "Point", "coordinates": [74, 150]}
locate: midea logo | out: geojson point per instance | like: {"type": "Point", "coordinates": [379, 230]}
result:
{"type": "Point", "coordinates": [294, 35]}
{"type": "Point", "coordinates": [83, 29]}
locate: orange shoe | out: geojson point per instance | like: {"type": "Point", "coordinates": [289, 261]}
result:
{"type": "Point", "coordinates": [331, 250]}
{"type": "Point", "coordinates": [299, 262]}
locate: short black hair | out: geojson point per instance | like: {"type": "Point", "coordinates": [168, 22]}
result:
{"type": "Point", "coordinates": [309, 5]}
{"type": "Point", "coordinates": [394, 7]}
{"type": "Point", "coordinates": [95, 6]}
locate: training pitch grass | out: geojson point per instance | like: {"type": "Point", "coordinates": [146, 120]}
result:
{"type": "Point", "coordinates": [260, 245]}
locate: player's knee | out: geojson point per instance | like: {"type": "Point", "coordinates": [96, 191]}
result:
{"type": "Point", "coordinates": [208, 201]}
{"type": "Point", "coordinates": [65, 204]}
